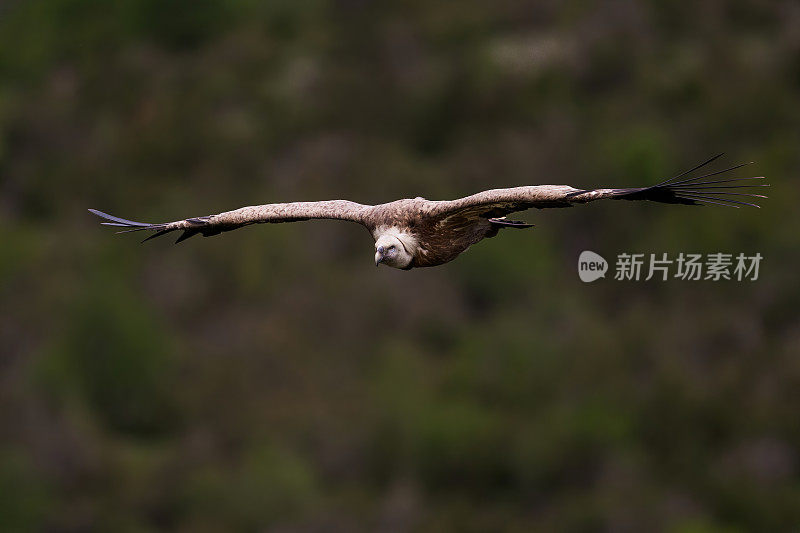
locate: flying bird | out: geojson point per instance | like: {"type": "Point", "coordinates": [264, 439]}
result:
{"type": "Point", "coordinates": [411, 233]}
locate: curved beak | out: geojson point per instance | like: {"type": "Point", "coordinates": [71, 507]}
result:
{"type": "Point", "coordinates": [378, 258]}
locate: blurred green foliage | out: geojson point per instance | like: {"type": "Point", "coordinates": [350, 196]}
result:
{"type": "Point", "coordinates": [273, 379]}
{"type": "Point", "coordinates": [113, 358]}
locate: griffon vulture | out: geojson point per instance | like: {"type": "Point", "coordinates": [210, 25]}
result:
{"type": "Point", "coordinates": [417, 232]}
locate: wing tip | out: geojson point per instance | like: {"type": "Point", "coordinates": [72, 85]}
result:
{"type": "Point", "coordinates": [700, 190]}
{"type": "Point", "coordinates": [197, 225]}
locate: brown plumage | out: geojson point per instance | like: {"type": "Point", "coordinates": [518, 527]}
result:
{"type": "Point", "coordinates": [420, 233]}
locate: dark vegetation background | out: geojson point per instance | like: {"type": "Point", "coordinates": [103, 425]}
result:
{"type": "Point", "coordinates": [274, 379]}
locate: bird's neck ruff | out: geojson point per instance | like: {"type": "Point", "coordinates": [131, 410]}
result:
{"type": "Point", "coordinates": [406, 238]}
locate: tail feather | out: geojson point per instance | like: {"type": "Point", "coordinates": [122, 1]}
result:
{"type": "Point", "coordinates": [697, 190]}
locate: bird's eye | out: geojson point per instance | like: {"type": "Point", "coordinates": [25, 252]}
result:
{"type": "Point", "coordinates": [392, 247]}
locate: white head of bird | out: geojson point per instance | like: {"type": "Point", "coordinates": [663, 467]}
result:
{"type": "Point", "coordinates": [392, 251]}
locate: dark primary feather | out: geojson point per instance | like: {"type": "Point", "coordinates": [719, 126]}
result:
{"type": "Point", "coordinates": [116, 221]}
{"type": "Point", "coordinates": [191, 226]}
{"type": "Point", "coordinates": [696, 190]}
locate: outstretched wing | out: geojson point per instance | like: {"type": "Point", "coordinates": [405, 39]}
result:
{"type": "Point", "coordinates": [678, 190]}
{"type": "Point", "coordinates": [256, 214]}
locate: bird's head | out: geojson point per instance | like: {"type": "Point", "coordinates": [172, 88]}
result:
{"type": "Point", "coordinates": [390, 251]}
